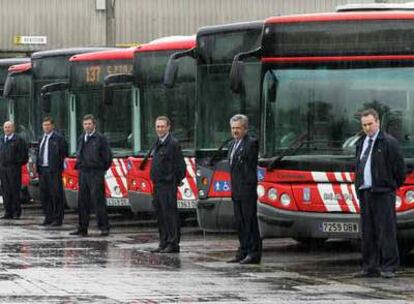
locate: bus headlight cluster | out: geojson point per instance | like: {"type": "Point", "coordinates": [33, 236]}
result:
{"type": "Point", "coordinates": [285, 199]}
{"type": "Point", "coordinates": [260, 191]}
{"type": "Point", "coordinates": [272, 194]}
{"type": "Point", "coordinates": [409, 196]}
{"type": "Point", "coordinates": [398, 202]}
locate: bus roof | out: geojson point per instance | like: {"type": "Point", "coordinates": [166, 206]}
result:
{"type": "Point", "coordinates": [353, 7]}
{"type": "Point", "coordinates": [345, 16]}
{"type": "Point", "coordinates": [19, 68]}
{"type": "Point", "coordinates": [118, 54]}
{"type": "Point", "coordinates": [11, 61]}
{"type": "Point", "coordinates": [67, 52]}
{"type": "Point", "coordinates": [231, 27]}
{"type": "Point", "coordinates": [168, 44]}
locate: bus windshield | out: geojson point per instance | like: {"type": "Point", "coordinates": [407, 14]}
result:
{"type": "Point", "coordinates": [317, 110]}
{"type": "Point", "coordinates": [177, 103]}
{"type": "Point", "coordinates": [114, 121]}
{"type": "Point", "coordinates": [21, 113]}
{"type": "Point", "coordinates": [216, 104]}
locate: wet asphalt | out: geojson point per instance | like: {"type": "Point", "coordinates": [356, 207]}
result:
{"type": "Point", "coordinates": [46, 265]}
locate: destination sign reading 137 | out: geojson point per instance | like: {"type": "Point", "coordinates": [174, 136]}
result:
{"type": "Point", "coordinates": [96, 73]}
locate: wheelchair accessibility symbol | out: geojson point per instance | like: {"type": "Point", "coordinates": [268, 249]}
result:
{"type": "Point", "coordinates": [222, 186]}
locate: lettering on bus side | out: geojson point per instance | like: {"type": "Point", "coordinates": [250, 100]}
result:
{"type": "Point", "coordinates": [96, 73]}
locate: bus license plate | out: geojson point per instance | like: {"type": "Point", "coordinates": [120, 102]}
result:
{"type": "Point", "coordinates": [339, 227]}
{"type": "Point", "coordinates": [181, 204]}
{"type": "Point", "coordinates": [117, 202]}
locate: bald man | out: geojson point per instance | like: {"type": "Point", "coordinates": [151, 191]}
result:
{"type": "Point", "coordinates": [13, 155]}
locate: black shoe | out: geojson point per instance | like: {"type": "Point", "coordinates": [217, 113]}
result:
{"type": "Point", "coordinates": [156, 250]}
{"type": "Point", "coordinates": [236, 259]}
{"type": "Point", "coordinates": [366, 274]}
{"type": "Point", "coordinates": [250, 260]}
{"type": "Point", "coordinates": [170, 249]}
{"type": "Point", "coordinates": [388, 274]}
{"type": "Point", "coordinates": [56, 224]}
{"type": "Point", "coordinates": [46, 223]}
{"type": "Point", "coordinates": [104, 232]}
{"type": "Point", "coordinates": [6, 217]}
{"type": "Point", "coordinates": [79, 232]}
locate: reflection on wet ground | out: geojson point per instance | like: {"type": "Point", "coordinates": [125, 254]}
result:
{"type": "Point", "coordinates": [46, 265]}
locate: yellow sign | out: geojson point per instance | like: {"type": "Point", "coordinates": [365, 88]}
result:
{"type": "Point", "coordinates": [30, 40]}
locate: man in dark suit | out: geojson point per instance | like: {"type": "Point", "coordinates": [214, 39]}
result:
{"type": "Point", "coordinates": [13, 155]}
{"type": "Point", "coordinates": [93, 159]}
{"type": "Point", "coordinates": [242, 156]}
{"type": "Point", "coordinates": [50, 157]}
{"type": "Point", "coordinates": [167, 171]}
{"type": "Point", "coordinates": [379, 171]}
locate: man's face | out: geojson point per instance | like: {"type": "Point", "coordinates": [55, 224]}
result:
{"type": "Point", "coordinates": [47, 127]}
{"type": "Point", "coordinates": [8, 128]}
{"type": "Point", "coordinates": [88, 126]}
{"type": "Point", "coordinates": [161, 128]}
{"type": "Point", "coordinates": [238, 130]}
{"type": "Point", "coordinates": [370, 125]}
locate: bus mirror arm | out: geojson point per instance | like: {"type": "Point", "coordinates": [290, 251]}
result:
{"type": "Point", "coordinates": [8, 86]}
{"type": "Point", "coordinates": [171, 70]}
{"type": "Point", "coordinates": [237, 69]}
{"type": "Point", "coordinates": [45, 94]}
{"type": "Point", "coordinates": [218, 152]}
{"type": "Point", "coordinates": [112, 81]}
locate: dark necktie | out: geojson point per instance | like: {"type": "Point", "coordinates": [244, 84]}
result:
{"type": "Point", "coordinates": [42, 149]}
{"type": "Point", "coordinates": [363, 160]}
{"type": "Point", "coordinates": [233, 151]}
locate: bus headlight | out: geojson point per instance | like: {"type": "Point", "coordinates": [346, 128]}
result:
{"type": "Point", "coordinates": [398, 202]}
{"type": "Point", "coordinates": [272, 194]}
{"type": "Point", "coordinates": [409, 196]}
{"type": "Point", "coordinates": [260, 191]}
{"type": "Point", "coordinates": [285, 199]}
{"type": "Point", "coordinates": [198, 172]}
{"type": "Point", "coordinates": [201, 193]}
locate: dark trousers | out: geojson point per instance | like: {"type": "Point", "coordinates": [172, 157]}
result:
{"type": "Point", "coordinates": [245, 213]}
{"type": "Point", "coordinates": [379, 231]}
{"type": "Point", "coordinates": [92, 197]}
{"type": "Point", "coordinates": [51, 195]}
{"type": "Point", "coordinates": [11, 182]}
{"type": "Point", "coordinates": [166, 211]}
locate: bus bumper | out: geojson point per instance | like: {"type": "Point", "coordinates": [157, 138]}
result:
{"type": "Point", "coordinates": [140, 202]}
{"type": "Point", "coordinates": [216, 215]}
{"type": "Point", "coordinates": [275, 223]}
{"type": "Point", "coordinates": [112, 203]}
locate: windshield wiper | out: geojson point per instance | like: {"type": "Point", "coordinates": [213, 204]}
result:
{"type": "Point", "coordinates": [293, 149]}
{"type": "Point", "coordinates": [218, 152]}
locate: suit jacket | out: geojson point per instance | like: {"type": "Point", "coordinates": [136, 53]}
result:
{"type": "Point", "coordinates": [57, 152]}
{"type": "Point", "coordinates": [168, 165]}
{"type": "Point", "coordinates": [243, 168]}
{"type": "Point", "coordinates": [96, 154]}
{"type": "Point", "coordinates": [387, 163]}
{"type": "Point", "coordinates": [14, 153]}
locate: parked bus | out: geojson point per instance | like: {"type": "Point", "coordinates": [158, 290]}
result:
{"type": "Point", "coordinates": [115, 120]}
{"type": "Point", "coordinates": [14, 107]}
{"type": "Point", "coordinates": [4, 66]}
{"type": "Point", "coordinates": [319, 72]}
{"type": "Point", "coordinates": [215, 105]}
{"type": "Point", "coordinates": [50, 67]}
{"type": "Point", "coordinates": [154, 99]}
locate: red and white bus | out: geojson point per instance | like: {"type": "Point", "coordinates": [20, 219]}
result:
{"type": "Point", "coordinates": [319, 72]}
{"type": "Point", "coordinates": [215, 105]}
{"type": "Point", "coordinates": [14, 107]}
{"type": "Point", "coordinates": [115, 120]}
{"type": "Point", "coordinates": [154, 99]}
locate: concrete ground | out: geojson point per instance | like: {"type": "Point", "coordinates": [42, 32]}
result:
{"type": "Point", "coordinates": [46, 265]}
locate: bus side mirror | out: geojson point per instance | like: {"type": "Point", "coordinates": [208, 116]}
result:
{"type": "Point", "coordinates": [46, 102]}
{"type": "Point", "coordinates": [108, 96]}
{"type": "Point", "coordinates": [236, 76]}
{"type": "Point", "coordinates": [8, 86]}
{"type": "Point", "coordinates": [171, 72]}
